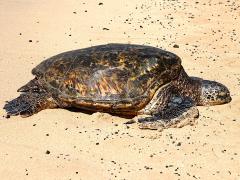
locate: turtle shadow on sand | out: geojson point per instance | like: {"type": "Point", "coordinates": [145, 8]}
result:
{"type": "Point", "coordinates": [89, 112]}
{"type": "Point", "coordinates": [120, 79]}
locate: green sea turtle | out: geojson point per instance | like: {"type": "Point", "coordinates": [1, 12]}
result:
{"type": "Point", "coordinates": [121, 79]}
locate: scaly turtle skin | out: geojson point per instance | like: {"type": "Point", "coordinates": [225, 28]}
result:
{"type": "Point", "coordinates": [121, 79]}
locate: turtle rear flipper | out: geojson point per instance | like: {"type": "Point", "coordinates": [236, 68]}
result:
{"type": "Point", "coordinates": [28, 104]}
{"type": "Point", "coordinates": [178, 113]}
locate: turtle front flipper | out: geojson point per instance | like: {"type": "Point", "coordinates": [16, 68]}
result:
{"type": "Point", "coordinates": [178, 113]}
{"type": "Point", "coordinates": [29, 103]}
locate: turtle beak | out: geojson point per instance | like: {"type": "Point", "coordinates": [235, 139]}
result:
{"type": "Point", "coordinates": [228, 99]}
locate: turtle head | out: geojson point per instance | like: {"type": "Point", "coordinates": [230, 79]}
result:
{"type": "Point", "coordinates": [214, 93]}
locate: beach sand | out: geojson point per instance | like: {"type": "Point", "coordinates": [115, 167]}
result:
{"type": "Point", "coordinates": [60, 144]}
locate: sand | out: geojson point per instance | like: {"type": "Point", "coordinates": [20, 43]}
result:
{"type": "Point", "coordinates": [60, 144]}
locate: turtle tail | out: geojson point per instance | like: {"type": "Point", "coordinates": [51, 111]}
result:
{"type": "Point", "coordinates": [31, 86]}
{"type": "Point", "coordinates": [32, 100]}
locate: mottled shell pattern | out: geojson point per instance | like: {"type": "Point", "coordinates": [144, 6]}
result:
{"type": "Point", "coordinates": [113, 74]}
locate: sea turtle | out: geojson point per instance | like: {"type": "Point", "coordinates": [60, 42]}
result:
{"type": "Point", "coordinates": [121, 79]}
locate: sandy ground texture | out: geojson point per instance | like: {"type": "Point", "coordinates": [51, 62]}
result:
{"type": "Point", "coordinates": [60, 144]}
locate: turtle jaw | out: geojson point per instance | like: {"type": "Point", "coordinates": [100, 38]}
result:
{"type": "Point", "coordinates": [228, 99]}
{"type": "Point", "coordinates": [214, 93]}
{"type": "Point", "coordinates": [220, 100]}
